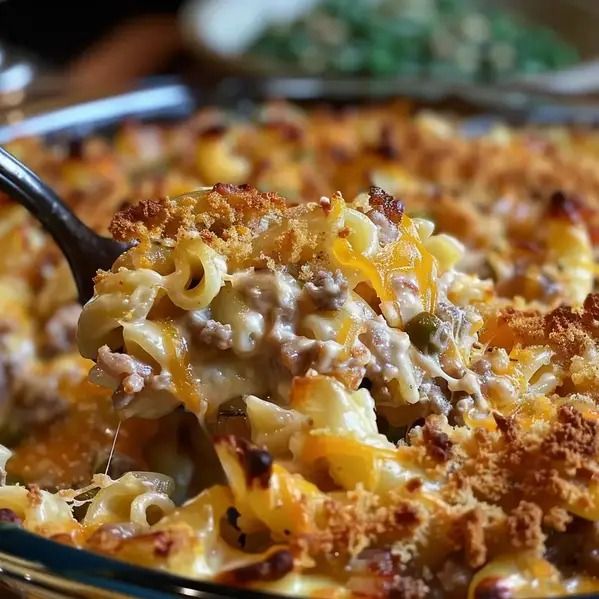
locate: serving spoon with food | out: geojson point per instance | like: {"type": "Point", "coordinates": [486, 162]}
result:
{"type": "Point", "coordinates": [85, 250]}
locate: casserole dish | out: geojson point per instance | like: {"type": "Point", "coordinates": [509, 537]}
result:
{"type": "Point", "coordinates": [26, 547]}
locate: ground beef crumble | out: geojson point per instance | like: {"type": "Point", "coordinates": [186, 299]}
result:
{"type": "Point", "coordinates": [211, 332]}
{"type": "Point", "coordinates": [327, 290]}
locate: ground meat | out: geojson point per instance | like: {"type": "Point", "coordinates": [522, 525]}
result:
{"type": "Point", "coordinates": [388, 347]}
{"type": "Point", "coordinates": [388, 231]}
{"type": "Point", "coordinates": [131, 372]}
{"type": "Point", "coordinates": [435, 393]}
{"type": "Point", "coordinates": [61, 328]}
{"type": "Point", "coordinates": [298, 354]}
{"type": "Point", "coordinates": [327, 290]}
{"type": "Point", "coordinates": [210, 332]}
{"type": "Point", "coordinates": [123, 399]}
{"type": "Point", "coordinates": [128, 377]}
{"type": "Point", "coordinates": [268, 292]}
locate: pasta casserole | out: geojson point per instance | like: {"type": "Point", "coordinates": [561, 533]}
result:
{"type": "Point", "coordinates": [399, 379]}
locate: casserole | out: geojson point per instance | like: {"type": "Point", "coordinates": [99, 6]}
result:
{"type": "Point", "coordinates": [438, 128]}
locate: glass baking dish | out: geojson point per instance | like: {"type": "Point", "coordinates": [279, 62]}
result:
{"type": "Point", "coordinates": [34, 566]}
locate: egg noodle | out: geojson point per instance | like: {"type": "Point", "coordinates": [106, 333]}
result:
{"type": "Point", "coordinates": [399, 378]}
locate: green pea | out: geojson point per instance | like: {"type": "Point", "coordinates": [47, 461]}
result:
{"type": "Point", "coordinates": [424, 332]}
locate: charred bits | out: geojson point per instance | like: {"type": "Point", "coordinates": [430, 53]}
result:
{"type": "Point", "coordinates": [380, 200]}
{"type": "Point", "coordinates": [256, 462]}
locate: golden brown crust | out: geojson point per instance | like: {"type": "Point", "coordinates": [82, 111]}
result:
{"type": "Point", "coordinates": [228, 218]}
{"type": "Point", "coordinates": [507, 484]}
{"type": "Point", "coordinates": [225, 211]}
{"type": "Point", "coordinates": [557, 518]}
{"type": "Point", "coordinates": [352, 525]}
{"type": "Point", "coordinates": [573, 440]}
{"type": "Point", "coordinates": [475, 548]}
{"type": "Point", "coordinates": [524, 526]}
{"type": "Point", "coordinates": [532, 467]}
{"type": "Point", "coordinates": [126, 224]}
{"type": "Point", "coordinates": [566, 330]}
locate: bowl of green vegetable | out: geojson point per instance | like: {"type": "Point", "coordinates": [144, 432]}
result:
{"type": "Point", "coordinates": [462, 41]}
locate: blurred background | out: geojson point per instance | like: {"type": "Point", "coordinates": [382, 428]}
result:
{"type": "Point", "coordinates": [64, 48]}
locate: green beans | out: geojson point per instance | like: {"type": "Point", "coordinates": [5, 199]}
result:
{"type": "Point", "coordinates": [449, 39]}
{"type": "Point", "coordinates": [425, 333]}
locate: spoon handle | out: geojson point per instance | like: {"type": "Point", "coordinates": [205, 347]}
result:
{"type": "Point", "coordinates": [85, 251]}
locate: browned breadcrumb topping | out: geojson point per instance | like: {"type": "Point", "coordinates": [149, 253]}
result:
{"type": "Point", "coordinates": [471, 526]}
{"type": "Point", "coordinates": [508, 487]}
{"type": "Point", "coordinates": [228, 218]}
{"type": "Point", "coordinates": [530, 472]}
{"type": "Point", "coordinates": [573, 440]}
{"type": "Point", "coordinates": [524, 526]}
{"type": "Point", "coordinates": [566, 330]}
{"type": "Point", "coordinates": [527, 466]}
{"type": "Point", "coordinates": [557, 518]}
{"type": "Point", "coordinates": [353, 525]}
{"type": "Point", "coordinates": [223, 211]}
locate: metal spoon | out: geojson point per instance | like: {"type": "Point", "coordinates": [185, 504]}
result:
{"type": "Point", "coordinates": [85, 251]}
